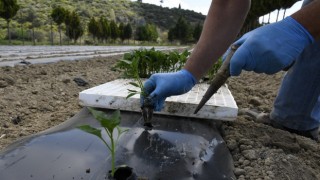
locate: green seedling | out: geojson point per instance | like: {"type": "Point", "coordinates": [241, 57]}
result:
{"type": "Point", "coordinates": [109, 124]}
{"type": "Point", "coordinates": [135, 73]}
{"type": "Point", "coordinates": [151, 61]}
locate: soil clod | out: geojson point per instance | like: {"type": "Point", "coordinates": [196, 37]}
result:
{"type": "Point", "coordinates": [80, 81]}
{"type": "Point", "coordinates": [16, 120]}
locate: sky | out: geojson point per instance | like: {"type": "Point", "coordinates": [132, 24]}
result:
{"type": "Point", "coordinates": [202, 6]}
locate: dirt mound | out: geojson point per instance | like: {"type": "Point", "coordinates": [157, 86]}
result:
{"type": "Point", "coordinates": [36, 97]}
{"type": "Point", "coordinates": [260, 151]}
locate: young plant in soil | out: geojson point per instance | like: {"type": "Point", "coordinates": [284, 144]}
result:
{"type": "Point", "coordinates": [134, 64]}
{"type": "Point", "coordinates": [109, 124]}
{"type": "Point", "coordinates": [147, 109]}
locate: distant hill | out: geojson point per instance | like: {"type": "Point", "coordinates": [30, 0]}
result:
{"type": "Point", "coordinates": [121, 10]}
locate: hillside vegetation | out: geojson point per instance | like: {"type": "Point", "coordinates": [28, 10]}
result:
{"type": "Point", "coordinates": [33, 21]}
{"type": "Point", "coordinates": [124, 11]}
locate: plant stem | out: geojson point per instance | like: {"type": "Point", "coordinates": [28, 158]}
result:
{"type": "Point", "coordinates": [112, 155]}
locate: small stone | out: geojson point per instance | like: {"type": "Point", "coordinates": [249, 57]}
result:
{"type": "Point", "coordinates": [80, 81]}
{"type": "Point", "coordinates": [241, 160]}
{"type": "Point", "coordinates": [248, 168]}
{"type": "Point", "coordinates": [245, 142]}
{"type": "Point", "coordinates": [3, 136]}
{"type": "Point", "coordinates": [246, 162]}
{"type": "Point", "coordinates": [255, 101]}
{"type": "Point", "coordinates": [10, 80]}
{"type": "Point", "coordinates": [47, 107]}
{"type": "Point", "coordinates": [16, 120]}
{"type": "Point", "coordinates": [66, 80]}
{"type": "Point", "coordinates": [269, 173]}
{"type": "Point", "coordinates": [3, 84]}
{"type": "Point", "coordinates": [232, 145]}
{"type": "Point", "coordinates": [250, 154]}
{"type": "Point", "coordinates": [43, 72]}
{"type": "Point", "coordinates": [239, 172]}
{"type": "Point", "coordinates": [267, 161]}
{"type": "Point", "coordinates": [244, 147]}
{"type": "Point", "coordinates": [18, 103]}
{"type": "Point", "coordinates": [5, 125]}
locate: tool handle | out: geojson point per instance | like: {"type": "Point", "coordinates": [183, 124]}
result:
{"type": "Point", "coordinates": [220, 78]}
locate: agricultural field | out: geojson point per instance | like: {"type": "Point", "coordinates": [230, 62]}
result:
{"type": "Point", "coordinates": [39, 96]}
{"type": "Point", "coordinates": [20, 55]}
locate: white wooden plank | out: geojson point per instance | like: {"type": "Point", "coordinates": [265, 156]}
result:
{"type": "Point", "coordinates": [112, 95]}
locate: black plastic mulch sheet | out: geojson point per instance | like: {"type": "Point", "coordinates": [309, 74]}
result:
{"type": "Point", "coordinates": [177, 148]}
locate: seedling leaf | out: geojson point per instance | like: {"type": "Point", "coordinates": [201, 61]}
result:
{"type": "Point", "coordinates": [133, 91]}
{"type": "Point", "coordinates": [126, 61]}
{"type": "Point", "coordinates": [99, 115]}
{"type": "Point", "coordinates": [134, 84]}
{"type": "Point", "coordinates": [130, 95]}
{"type": "Point", "coordinates": [91, 130]}
{"type": "Point", "coordinates": [107, 122]}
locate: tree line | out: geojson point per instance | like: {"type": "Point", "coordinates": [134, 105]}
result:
{"type": "Point", "coordinates": [100, 29]}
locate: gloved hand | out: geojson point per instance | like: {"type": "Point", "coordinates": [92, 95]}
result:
{"type": "Point", "coordinates": [270, 48]}
{"type": "Point", "coordinates": [162, 85]}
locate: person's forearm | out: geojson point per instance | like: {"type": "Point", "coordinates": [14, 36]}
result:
{"type": "Point", "coordinates": [309, 18]}
{"type": "Point", "coordinates": [224, 21]}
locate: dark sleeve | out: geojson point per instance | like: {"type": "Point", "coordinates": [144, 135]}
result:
{"type": "Point", "coordinates": [305, 2]}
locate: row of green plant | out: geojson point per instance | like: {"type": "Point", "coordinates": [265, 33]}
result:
{"type": "Point", "coordinates": [145, 62]}
{"type": "Point", "coordinates": [151, 61]}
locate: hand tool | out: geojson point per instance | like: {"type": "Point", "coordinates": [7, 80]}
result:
{"type": "Point", "coordinates": [220, 78]}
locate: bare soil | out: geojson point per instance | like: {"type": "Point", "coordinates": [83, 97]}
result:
{"type": "Point", "coordinates": [36, 97]}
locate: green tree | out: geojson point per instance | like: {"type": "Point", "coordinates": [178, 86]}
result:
{"type": "Point", "coordinates": [127, 32]}
{"type": "Point", "coordinates": [141, 33]}
{"type": "Point", "coordinates": [121, 31]}
{"type": "Point", "coordinates": [34, 20]}
{"type": "Point", "coordinates": [93, 28]}
{"type": "Point", "coordinates": [8, 9]}
{"type": "Point", "coordinates": [21, 21]}
{"type": "Point", "coordinates": [105, 30]}
{"type": "Point", "coordinates": [67, 22]}
{"type": "Point", "coordinates": [112, 15]}
{"type": "Point", "coordinates": [114, 30]}
{"type": "Point", "coordinates": [152, 33]}
{"type": "Point", "coordinates": [182, 31]}
{"type": "Point", "coordinates": [171, 34]}
{"type": "Point", "coordinates": [58, 15]}
{"type": "Point", "coordinates": [197, 32]}
{"type": "Point", "coordinates": [74, 28]}
{"type": "Point", "coordinates": [147, 32]}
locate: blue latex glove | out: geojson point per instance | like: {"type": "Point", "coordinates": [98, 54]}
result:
{"type": "Point", "coordinates": [270, 48]}
{"type": "Point", "coordinates": [162, 85]}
